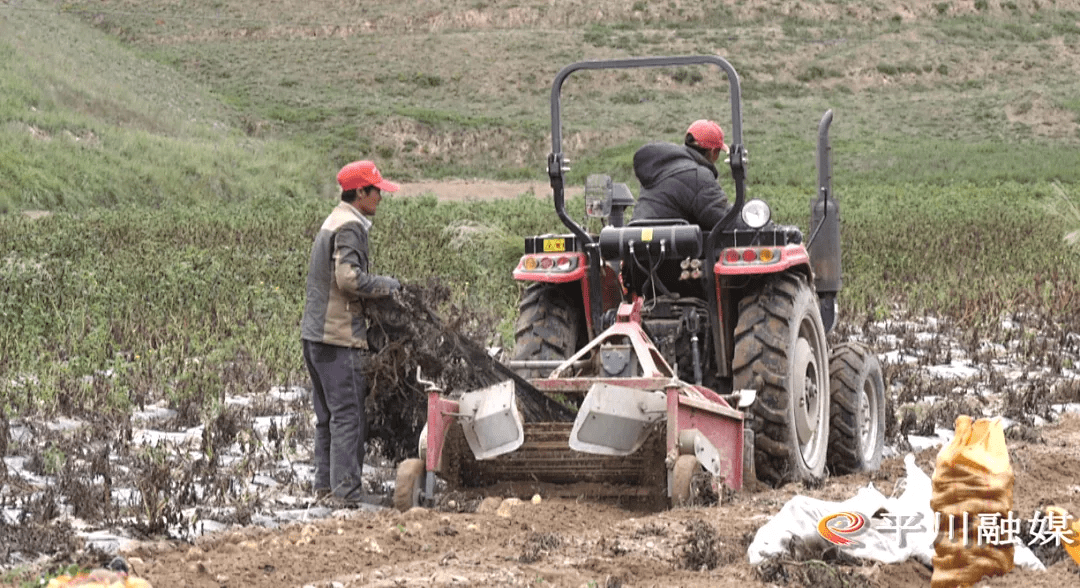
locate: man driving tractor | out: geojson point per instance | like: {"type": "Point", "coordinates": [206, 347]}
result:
{"type": "Point", "coordinates": [680, 181]}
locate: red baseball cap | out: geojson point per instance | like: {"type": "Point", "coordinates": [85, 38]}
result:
{"type": "Point", "coordinates": [361, 174]}
{"type": "Point", "coordinates": [707, 134]}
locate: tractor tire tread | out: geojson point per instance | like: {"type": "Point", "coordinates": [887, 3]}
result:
{"type": "Point", "coordinates": [848, 365]}
{"type": "Point", "coordinates": [760, 362]}
{"type": "Point", "coordinates": [546, 328]}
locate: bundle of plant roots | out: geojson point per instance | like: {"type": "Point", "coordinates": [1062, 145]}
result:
{"type": "Point", "coordinates": [405, 333]}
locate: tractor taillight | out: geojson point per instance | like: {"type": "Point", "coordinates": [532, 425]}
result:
{"type": "Point", "coordinates": [750, 255]}
{"type": "Point", "coordinates": [551, 263]}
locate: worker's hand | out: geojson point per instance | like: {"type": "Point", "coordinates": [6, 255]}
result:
{"type": "Point", "coordinates": [386, 285]}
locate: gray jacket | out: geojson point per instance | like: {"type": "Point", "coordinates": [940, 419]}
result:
{"type": "Point", "coordinates": [338, 281]}
{"type": "Point", "coordinates": [678, 182]}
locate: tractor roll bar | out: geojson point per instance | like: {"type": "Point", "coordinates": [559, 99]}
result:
{"type": "Point", "coordinates": [557, 165]}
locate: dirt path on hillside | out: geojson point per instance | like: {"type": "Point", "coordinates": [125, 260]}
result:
{"type": "Point", "coordinates": [573, 543]}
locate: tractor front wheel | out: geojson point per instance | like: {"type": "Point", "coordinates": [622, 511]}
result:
{"type": "Point", "coordinates": [858, 410]}
{"type": "Point", "coordinates": [548, 326]}
{"type": "Point", "coordinates": [780, 351]}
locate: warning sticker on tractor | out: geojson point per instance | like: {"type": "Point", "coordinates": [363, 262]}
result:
{"type": "Point", "coordinates": [554, 245]}
{"type": "Point", "coordinates": [646, 234]}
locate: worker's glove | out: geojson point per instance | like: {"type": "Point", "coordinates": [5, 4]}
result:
{"type": "Point", "coordinates": [387, 319]}
{"type": "Point", "coordinates": [385, 285]}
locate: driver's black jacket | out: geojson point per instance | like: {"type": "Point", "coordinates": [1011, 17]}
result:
{"type": "Point", "coordinates": [677, 182]}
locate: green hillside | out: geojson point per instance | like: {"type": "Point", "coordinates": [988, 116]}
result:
{"type": "Point", "coordinates": [129, 100]}
{"type": "Point", "coordinates": [86, 120]}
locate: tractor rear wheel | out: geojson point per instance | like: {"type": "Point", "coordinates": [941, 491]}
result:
{"type": "Point", "coordinates": [857, 437]}
{"type": "Point", "coordinates": [780, 351]}
{"type": "Point", "coordinates": [547, 327]}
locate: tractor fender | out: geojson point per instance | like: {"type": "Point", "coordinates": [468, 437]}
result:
{"type": "Point", "coordinates": [563, 267]}
{"type": "Point", "coordinates": [785, 258]}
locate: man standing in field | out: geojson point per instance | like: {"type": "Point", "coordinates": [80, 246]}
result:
{"type": "Point", "coordinates": [334, 329]}
{"type": "Point", "coordinates": [679, 181]}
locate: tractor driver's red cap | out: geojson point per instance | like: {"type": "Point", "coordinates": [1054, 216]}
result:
{"type": "Point", "coordinates": [707, 134]}
{"type": "Point", "coordinates": [361, 174]}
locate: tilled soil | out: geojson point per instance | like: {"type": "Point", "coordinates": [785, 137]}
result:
{"type": "Point", "coordinates": [247, 471]}
{"type": "Point", "coordinates": [560, 542]}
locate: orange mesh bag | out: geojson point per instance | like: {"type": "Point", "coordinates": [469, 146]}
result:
{"type": "Point", "coordinates": [98, 579]}
{"type": "Point", "coordinates": [1071, 539]}
{"type": "Point", "coordinates": [972, 476]}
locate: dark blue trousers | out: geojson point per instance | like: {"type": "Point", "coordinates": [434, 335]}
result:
{"type": "Point", "coordinates": [337, 393]}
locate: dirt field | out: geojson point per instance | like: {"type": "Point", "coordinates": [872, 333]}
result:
{"type": "Point", "coordinates": [583, 543]}
{"type": "Point", "coordinates": [558, 541]}
{"type": "Point", "coordinates": [562, 542]}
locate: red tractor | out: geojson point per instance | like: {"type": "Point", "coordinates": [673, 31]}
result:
{"type": "Point", "coordinates": [678, 352]}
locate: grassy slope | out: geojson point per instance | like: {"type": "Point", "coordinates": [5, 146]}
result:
{"type": "Point", "coordinates": [406, 85]}
{"type": "Point", "coordinates": [87, 121]}
{"type": "Point", "coordinates": [936, 93]}
{"type": "Point", "coordinates": [183, 143]}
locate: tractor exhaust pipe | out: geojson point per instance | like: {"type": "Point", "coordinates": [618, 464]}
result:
{"type": "Point", "coordinates": [824, 244]}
